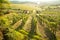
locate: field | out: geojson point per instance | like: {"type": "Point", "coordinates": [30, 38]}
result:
{"type": "Point", "coordinates": [25, 6]}
{"type": "Point", "coordinates": [30, 23]}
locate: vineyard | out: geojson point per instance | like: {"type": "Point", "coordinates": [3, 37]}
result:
{"type": "Point", "coordinates": [30, 24]}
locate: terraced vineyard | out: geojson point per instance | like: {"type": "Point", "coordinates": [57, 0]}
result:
{"type": "Point", "coordinates": [29, 24]}
{"type": "Point", "coordinates": [42, 26]}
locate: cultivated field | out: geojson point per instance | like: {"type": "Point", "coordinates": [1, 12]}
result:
{"type": "Point", "coordinates": [30, 23]}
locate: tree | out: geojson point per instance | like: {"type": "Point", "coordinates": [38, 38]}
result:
{"type": "Point", "coordinates": [53, 26]}
{"type": "Point", "coordinates": [3, 4]}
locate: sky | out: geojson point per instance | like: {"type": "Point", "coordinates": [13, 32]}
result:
{"type": "Point", "coordinates": [37, 1]}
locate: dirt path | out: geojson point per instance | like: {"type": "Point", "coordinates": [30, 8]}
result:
{"type": "Point", "coordinates": [40, 30]}
{"type": "Point", "coordinates": [17, 24]}
{"type": "Point", "coordinates": [27, 26]}
{"type": "Point", "coordinates": [1, 35]}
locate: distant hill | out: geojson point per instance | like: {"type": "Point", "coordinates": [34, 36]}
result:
{"type": "Point", "coordinates": [18, 2]}
{"type": "Point", "coordinates": [41, 3]}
